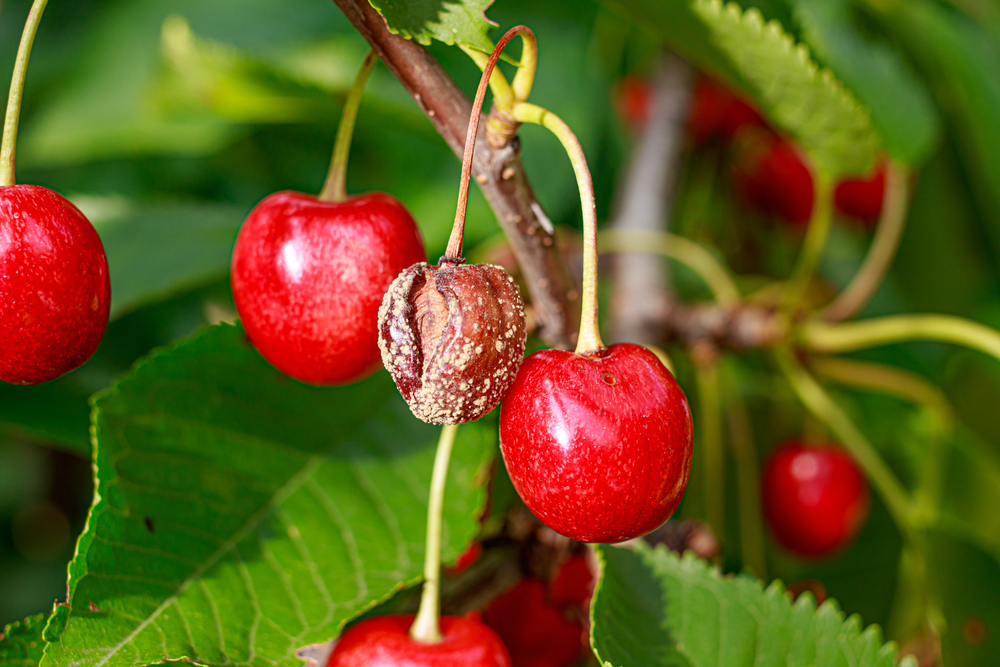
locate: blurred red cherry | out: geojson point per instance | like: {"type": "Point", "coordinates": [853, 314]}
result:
{"type": "Point", "coordinates": [862, 198]}
{"type": "Point", "coordinates": [536, 632]}
{"type": "Point", "coordinates": [718, 113]}
{"type": "Point", "coordinates": [465, 559]}
{"type": "Point", "coordinates": [815, 498]}
{"type": "Point", "coordinates": [573, 583]}
{"type": "Point", "coordinates": [635, 101]}
{"type": "Point", "coordinates": [772, 177]}
{"type": "Point", "coordinates": [385, 641]}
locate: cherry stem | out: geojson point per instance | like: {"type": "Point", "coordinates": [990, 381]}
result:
{"type": "Point", "coordinates": [458, 229]}
{"type": "Point", "coordinates": [335, 185]}
{"type": "Point", "coordinates": [682, 250]}
{"type": "Point", "coordinates": [815, 242]}
{"type": "Point", "coordinates": [891, 223]}
{"type": "Point", "coordinates": [506, 95]}
{"type": "Point", "coordinates": [16, 91]}
{"type": "Point", "coordinates": [427, 627]}
{"type": "Point", "coordinates": [836, 338]}
{"type": "Point", "coordinates": [589, 340]}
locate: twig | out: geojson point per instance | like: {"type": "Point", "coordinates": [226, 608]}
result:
{"type": "Point", "coordinates": [498, 171]}
{"type": "Point", "coordinates": [640, 280]}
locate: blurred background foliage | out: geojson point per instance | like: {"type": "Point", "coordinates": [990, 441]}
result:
{"type": "Point", "coordinates": [167, 120]}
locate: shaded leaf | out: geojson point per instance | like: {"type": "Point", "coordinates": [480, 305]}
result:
{"type": "Point", "coordinates": [705, 619]}
{"type": "Point", "coordinates": [450, 21]}
{"type": "Point", "coordinates": [240, 515]}
{"type": "Point", "coordinates": [21, 643]}
{"type": "Point", "coordinates": [901, 106]}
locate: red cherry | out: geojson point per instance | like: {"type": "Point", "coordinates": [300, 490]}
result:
{"type": "Point", "coordinates": [573, 583]}
{"type": "Point", "coordinates": [599, 446]}
{"type": "Point", "coordinates": [536, 633]}
{"type": "Point", "coordinates": [717, 113]}
{"type": "Point", "coordinates": [55, 291]}
{"type": "Point", "coordinates": [776, 181]}
{"type": "Point", "coordinates": [466, 559]}
{"type": "Point", "coordinates": [385, 641]}
{"type": "Point", "coordinates": [815, 498]}
{"type": "Point", "coordinates": [861, 198]}
{"type": "Point", "coordinates": [308, 278]}
{"type": "Point", "coordinates": [635, 101]}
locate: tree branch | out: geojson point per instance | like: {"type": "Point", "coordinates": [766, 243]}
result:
{"type": "Point", "coordinates": [498, 171]}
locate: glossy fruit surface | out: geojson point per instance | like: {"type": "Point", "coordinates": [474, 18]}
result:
{"type": "Point", "coordinates": [55, 290]}
{"type": "Point", "coordinates": [861, 198]}
{"type": "Point", "coordinates": [536, 631]}
{"type": "Point", "coordinates": [384, 641]}
{"type": "Point", "coordinates": [308, 278]}
{"type": "Point", "coordinates": [774, 179]}
{"type": "Point", "coordinates": [815, 498]}
{"type": "Point", "coordinates": [598, 447]}
{"type": "Point", "coordinates": [452, 337]}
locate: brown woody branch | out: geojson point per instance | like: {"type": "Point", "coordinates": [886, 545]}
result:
{"type": "Point", "coordinates": [498, 171]}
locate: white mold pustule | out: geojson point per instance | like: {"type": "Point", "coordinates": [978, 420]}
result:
{"type": "Point", "coordinates": [452, 337]}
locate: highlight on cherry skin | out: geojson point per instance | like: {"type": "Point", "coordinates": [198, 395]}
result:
{"type": "Point", "coordinates": [308, 278]}
{"type": "Point", "coordinates": [598, 447]}
{"type": "Point", "coordinates": [815, 498]}
{"type": "Point", "coordinates": [55, 289]}
{"type": "Point", "coordinates": [385, 641]}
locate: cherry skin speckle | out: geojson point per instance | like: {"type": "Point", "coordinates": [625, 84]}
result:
{"type": "Point", "coordinates": [55, 290]}
{"type": "Point", "coordinates": [308, 278]}
{"type": "Point", "coordinates": [594, 461]}
{"type": "Point", "coordinates": [815, 498]}
{"type": "Point", "coordinates": [384, 641]}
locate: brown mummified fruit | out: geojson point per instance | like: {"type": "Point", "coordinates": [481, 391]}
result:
{"type": "Point", "coordinates": [452, 337]}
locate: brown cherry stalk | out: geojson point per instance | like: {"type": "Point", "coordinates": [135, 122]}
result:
{"type": "Point", "coordinates": [452, 336]}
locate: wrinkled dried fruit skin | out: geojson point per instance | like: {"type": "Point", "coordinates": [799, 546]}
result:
{"type": "Point", "coordinates": [598, 447]}
{"type": "Point", "coordinates": [55, 289]}
{"type": "Point", "coordinates": [384, 641]}
{"type": "Point", "coordinates": [453, 338]}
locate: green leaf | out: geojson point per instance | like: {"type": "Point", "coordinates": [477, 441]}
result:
{"type": "Point", "coordinates": [900, 104]}
{"type": "Point", "coordinates": [159, 251]}
{"type": "Point", "coordinates": [762, 59]}
{"type": "Point", "coordinates": [451, 21]}
{"type": "Point", "coordinates": [687, 614]}
{"type": "Point", "coordinates": [21, 642]}
{"type": "Point", "coordinates": [961, 58]}
{"type": "Point", "coordinates": [240, 515]}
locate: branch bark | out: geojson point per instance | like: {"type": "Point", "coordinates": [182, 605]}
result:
{"type": "Point", "coordinates": [498, 171]}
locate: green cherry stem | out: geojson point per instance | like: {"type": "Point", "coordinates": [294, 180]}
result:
{"type": "Point", "coordinates": [335, 185]}
{"type": "Point", "coordinates": [814, 244]}
{"type": "Point", "coordinates": [891, 223]}
{"type": "Point", "coordinates": [454, 251]}
{"type": "Point", "coordinates": [16, 91]}
{"type": "Point", "coordinates": [682, 250]}
{"type": "Point", "coordinates": [590, 335]}
{"type": "Point", "coordinates": [427, 627]}
{"type": "Point", "coordinates": [506, 95]}
{"type": "Point", "coordinates": [710, 441]}
{"type": "Point", "coordinates": [836, 338]}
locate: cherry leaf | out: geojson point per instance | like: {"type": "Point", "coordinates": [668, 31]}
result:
{"type": "Point", "coordinates": [452, 22]}
{"type": "Point", "coordinates": [240, 515]}
{"type": "Point", "coordinates": [21, 643]}
{"type": "Point", "coordinates": [653, 607]}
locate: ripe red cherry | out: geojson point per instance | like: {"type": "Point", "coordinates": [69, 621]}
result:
{"type": "Point", "coordinates": [815, 498]}
{"type": "Point", "coordinates": [55, 291]}
{"type": "Point", "coordinates": [573, 583]}
{"type": "Point", "coordinates": [384, 641]}
{"type": "Point", "coordinates": [308, 278]}
{"type": "Point", "coordinates": [717, 113]}
{"type": "Point", "coordinates": [598, 446]}
{"type": "Point", "coordinates": [861, 198]}
{"type": "Point", "coordinates": [536, 632]}
{"type": "Point", "coordinates": [775, 180]}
